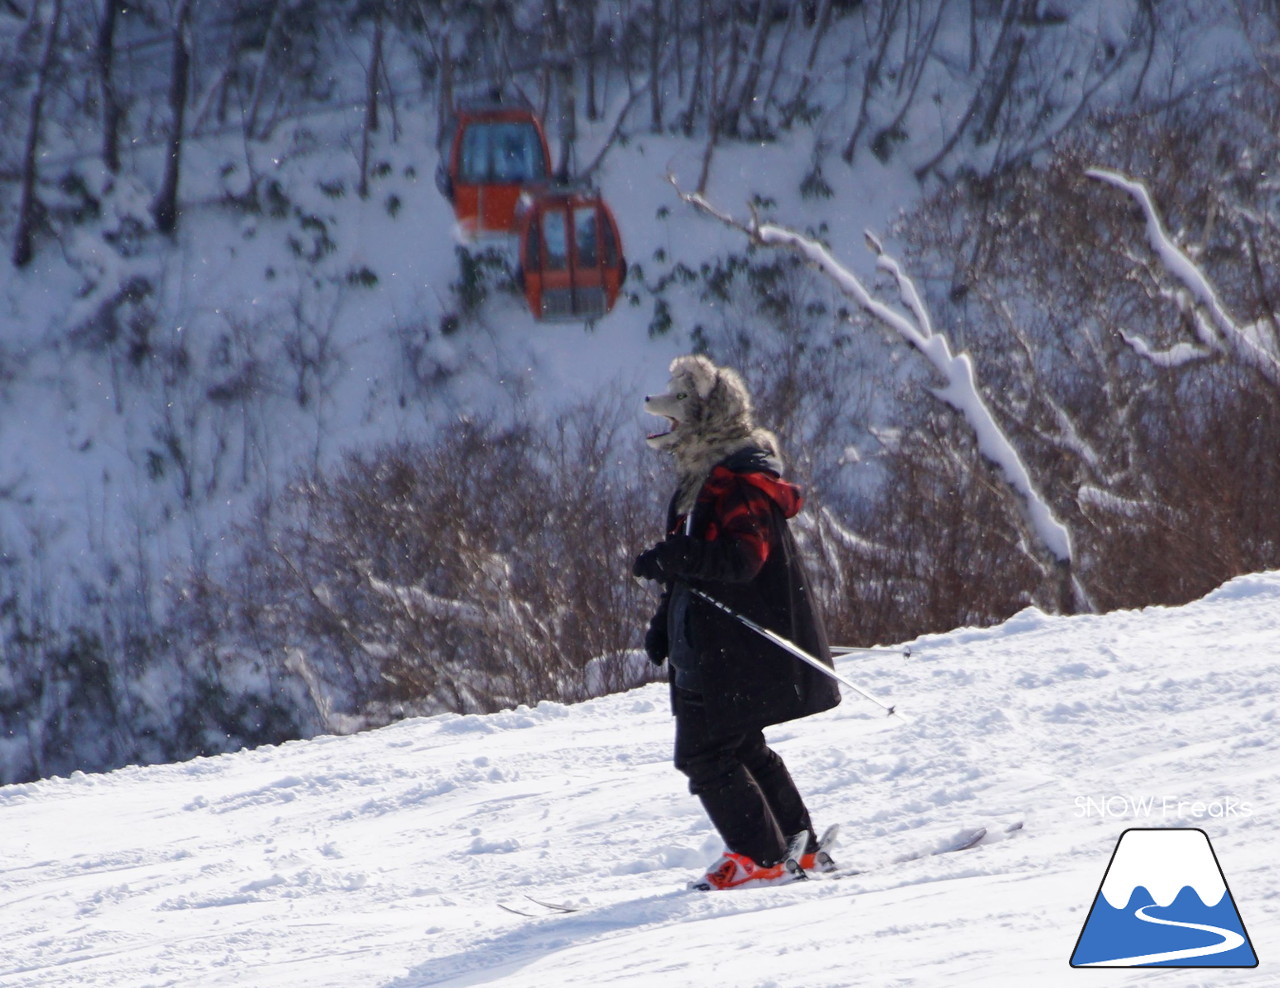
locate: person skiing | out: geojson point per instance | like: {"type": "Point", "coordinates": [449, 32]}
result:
{"type": "Point", "coordinates": [727, 537]}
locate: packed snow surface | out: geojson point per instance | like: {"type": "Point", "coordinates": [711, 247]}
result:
{"type": "Point", "coordinates": [384, 859]}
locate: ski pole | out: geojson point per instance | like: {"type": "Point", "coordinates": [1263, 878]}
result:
{"type": "Point", "coordinates": [905, 652]}
{"type": "Point", "coordinates": [798, 652]}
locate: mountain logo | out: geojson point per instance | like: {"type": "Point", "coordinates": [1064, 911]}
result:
{"type": "Point", "coordinates": [1163, 902]}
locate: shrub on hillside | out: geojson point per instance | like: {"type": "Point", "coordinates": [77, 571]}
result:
{"type": "Point", "coordinates": [485, 569]}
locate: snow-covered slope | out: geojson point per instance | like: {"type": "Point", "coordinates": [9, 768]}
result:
{"type": "Point", "coordinates": [382, 859]}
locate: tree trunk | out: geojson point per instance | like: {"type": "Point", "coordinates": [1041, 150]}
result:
{"type": "Point", "coordinates": [821, 25]}
{"type": "Point", "coordinates": [910, 77]}
{"type": "Point", "coordinates": [677, 27]}
{"type": "Point", "coordinates": [699, 71]}
{"type": "Point", "coordinates": [987, 128]}
{"type": "Point", "coordinates": [106, 81]}
{"type": "Point", "coordinates": [586, 35]}
{"type": "Point", "coordinates": [24, 232]}
{"type": "Point", "coordinates": [713, 112]}
{"type": "Point", "coordinates": [568, 117]}
{"type": "Point", "coordinates": [561, 66]}
{"type": "Point", "coordinates": [977, 102]}
{"type": "Point", "coordinates": [444, 109]}
{"type": "Point", "coordinates": [164, 209]}
{"type": "Point", "coordinates": [778, 64]}
{"type": "Point", "coordinates": [723, 88]}
{"type": "Point", "coordinates": [370, 106]}
{"type": "Point", "coordinates": [873, 77]}
{"type": "Point", "coordinates": [755, 64]}
{"type": "Point", "coordinates": [262, 75]}
{"type": "Point", "coordinates": [655, 60]}
{"type": "Point", "coordinates": [974, 47]}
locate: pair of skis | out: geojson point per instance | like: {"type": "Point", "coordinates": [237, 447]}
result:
{"type": "Point", "coordinates": [549, 908]}
{"type": "Point", "coordinates": [961, 842]}
{"type": "Point", "coordinates": [965, 840]}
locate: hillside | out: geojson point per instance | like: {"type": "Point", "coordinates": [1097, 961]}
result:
{"type": "Point", "coordinates": [384, 859]}
{"type": "Point", "coordinates": [158, 394]}
{"type": "Point", "coordinates": [171, 401]}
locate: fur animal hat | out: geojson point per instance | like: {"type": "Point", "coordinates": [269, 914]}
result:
{"type": "Point", "coordinates": [710, 415]}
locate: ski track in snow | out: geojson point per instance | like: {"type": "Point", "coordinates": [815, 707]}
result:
{"type": "Point", "coordinates": [381, 859]}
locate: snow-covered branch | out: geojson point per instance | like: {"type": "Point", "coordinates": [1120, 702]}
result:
{"type": "Point", "coordinates": [830, 526]}
{"type": "Point", "coordinates": [959, 388]}
{"type": "Point", "coordinates": [1178, 355]}
{"type": "Point", "coordinates": [1089, 496]}
{"type": "Point", "coordinates": [961, 393]}
{"type": "Point", "coordinates": [1217, 332]}
{"type": "Point", "coordinates": [426, 606]}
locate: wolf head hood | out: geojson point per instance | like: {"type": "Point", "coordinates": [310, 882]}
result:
{"type": "Point", "coordinates": [710, 418]}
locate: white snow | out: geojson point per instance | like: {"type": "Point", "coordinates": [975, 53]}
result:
{"type": "Point", "coordinates": [380, 859]}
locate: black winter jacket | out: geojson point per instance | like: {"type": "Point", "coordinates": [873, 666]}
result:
{"type": "Point", "coordinates": [738, 549]}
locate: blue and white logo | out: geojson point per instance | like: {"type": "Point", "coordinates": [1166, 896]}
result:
{"type": "Point", "coordinates": [1164, 902]}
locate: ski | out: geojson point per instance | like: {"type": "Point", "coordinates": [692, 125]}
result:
{"type": "Point", "coordinates": [971, 838]}
{"type": "Point", "coordinates": [557, 907]}
{"type": "Point", "coordinates": [552, 908]}
{"type": "Point", "coordinates": [823, 868]}
{"type": "Point", "coordinates": [964, 841]}
{"type": "Point", "coordinates": [520, 912]}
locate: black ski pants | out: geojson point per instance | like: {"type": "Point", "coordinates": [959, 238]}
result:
{"type": "Point", "coordinates": [743, 784]}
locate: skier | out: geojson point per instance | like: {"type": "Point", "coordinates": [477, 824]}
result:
{"type": "Point", "coordinates": [727, 537]}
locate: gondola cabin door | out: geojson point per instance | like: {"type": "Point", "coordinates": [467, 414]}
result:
{"type": "Point", "coordinates": [496, 154]}
{"type": "Point", "coordinates": [571, 258]}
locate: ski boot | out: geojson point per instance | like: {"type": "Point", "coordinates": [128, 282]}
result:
{"type": "Point", "coordinates": [816, 858]}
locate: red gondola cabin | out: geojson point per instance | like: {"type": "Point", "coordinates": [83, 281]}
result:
{"type": "Point", "coordinates": [497, 152]}
{"type": "Point", "coordinates": [571, 260]}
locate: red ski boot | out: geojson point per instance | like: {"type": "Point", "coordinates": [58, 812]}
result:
{"type": "Point", "coordinates": [735, 871]}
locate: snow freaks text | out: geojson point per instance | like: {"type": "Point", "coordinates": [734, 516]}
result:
{"type": "Point", "coordinates": [1163, 807]}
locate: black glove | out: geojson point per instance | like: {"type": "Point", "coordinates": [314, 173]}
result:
{"type": "Point", "coordinates": [648, 565]}
{"type": "Point", "coordinates": [656, 645]}
{"type": "Point", "coordinates": [665, 561]}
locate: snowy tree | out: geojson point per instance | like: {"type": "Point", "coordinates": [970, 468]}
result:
{"type": "Point", "coordinates": [1046, 275]}
{"type": "Point", "coordinates": [956, 385]}
{"type": "Point", "coordinates": [1218, 335]}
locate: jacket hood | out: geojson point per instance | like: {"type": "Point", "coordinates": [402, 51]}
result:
{"type": "Point", "coordinates": [760, 468]}
{"type": "Point", "coordinates": [753, 459]}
